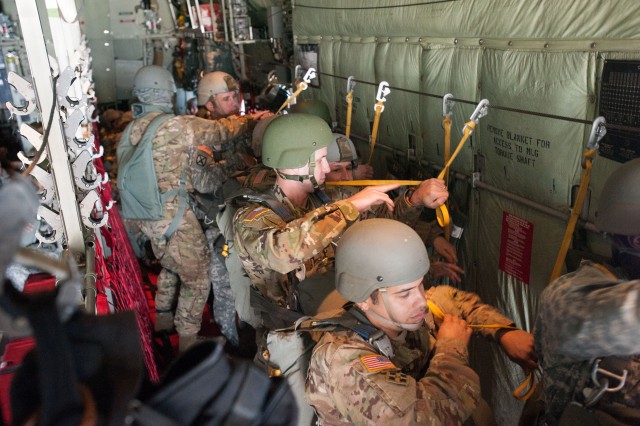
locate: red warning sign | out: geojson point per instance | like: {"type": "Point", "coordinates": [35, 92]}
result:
{"type": "Point", "coordinates": [515, 247]}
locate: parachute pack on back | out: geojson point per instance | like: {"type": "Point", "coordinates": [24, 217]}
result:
{"type": "Point", "coordinates": [140, 197]}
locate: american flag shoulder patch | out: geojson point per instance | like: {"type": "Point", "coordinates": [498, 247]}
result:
{"type": "Point", "coordinates": [375, 363]}
{"type": "Point", "coordinates": [256, 213]}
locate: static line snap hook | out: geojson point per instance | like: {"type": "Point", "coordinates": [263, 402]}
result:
{"type": "Point", "coordinates": [383, 91]}
{"type": "Point", "coordinates": [447, 104]}
{"type": "Point", "coordinates": [598, 131]}
{"type": "Point", "coordinates": [350, 83]}
{"type": "Point", "coordinates": [296, 72]}
{"type": "Point", "coordinates": [481, 110]}
{"type": "Point", "coordinates": [310, 75]}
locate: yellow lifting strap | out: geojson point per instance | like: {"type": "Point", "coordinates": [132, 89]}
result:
{"type": "Point", "coordinates": [310, 75]}
{"type": "Point", "coordinates": [589, 155]}
{"type": "Point", "coordinates": [529, 383]}
{"type": "Point", "coordinates": [481, 110]}
{"type": "Point", "coordinates": [598, 131]}
{"type": "Point", "coordinates": [383, 91]}
{"type": "Point", "coordinates": [369, 182]}
{"type": "Point", "coordinates": [350, 84]}
{"type": "Point", "coordinates": [447, 103]}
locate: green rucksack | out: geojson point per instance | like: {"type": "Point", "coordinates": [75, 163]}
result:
{"type": "Point", "coordinates": [140, 197]}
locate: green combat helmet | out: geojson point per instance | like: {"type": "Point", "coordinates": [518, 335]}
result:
{"type": "Point", "coordinates": [619, 206]}
{"type": "Point", "coordinates": [290, 142]}
{"type": "Point", "coordinates": [375, 254]}
{"type": "Point", "coordinates": [312, 106]}
{"type": "Point", "coordinates": [214, 83]}
{"type": "Point", "coordinates": [258, 134]}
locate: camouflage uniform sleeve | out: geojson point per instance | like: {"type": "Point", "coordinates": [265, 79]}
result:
{"type": "Point", "coordinates": [428, 231]}
{"type": "Point", "coordinates": [207, 175]}
{"type": "Point", "coordinates": [358, 390]}
{"type": "Point", "coordinates": [216, 132]}
{"type": "Point", "coordinates": [402, 211]}
{"type": "Point", "coordinates": [469, 307]}
{"type": "Point", "coordinates": [283, 247]}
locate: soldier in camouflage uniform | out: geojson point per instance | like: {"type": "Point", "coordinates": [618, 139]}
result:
{"type": "Point", "coordinates": [594, 314]}
{"type": "Point", "coordinates": [276, 253]}
{"type": "Point", "coordinates": [181, 142]}
{"type": "Point", "coordinates": [416, 371]}
{"type": "Point", "coordinates": [218, 99]}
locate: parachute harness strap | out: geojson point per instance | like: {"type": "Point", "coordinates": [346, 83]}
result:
{"type": "Point", "coordinates": [383, 91]}
{"type": "Point", "coordinates": [598, 130]}
{"type": "Point", "coordinates": [529, 383]}
{"type": "Point", "coordinates": [306, 80]}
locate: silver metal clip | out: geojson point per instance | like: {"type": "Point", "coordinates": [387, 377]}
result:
{"type": "Point", "coordinates": [481, 110]}
{"type": "Point", "coordinates": [350, 83]}
{"type": "Point", "coordinates": [87, 205]}
{"type": "Point", "coordinates": [63, 85]}
{"type": "Point", "coordinates": [309, 75]}
{"type": "Point", "coordinates": [381, 95]}
{"type": "Point", "coordinates": [54, 220]}
{"type": "Point", "coordinates": [35, 139]}
{"type": "Point", "coordinates": [598, 131]}
{"type": "Point", "coordinates": [447, 104]}
{"type": "Point", "coordinates": [46, 181]}
{"type": "Point", "coordinates": [84, 171]}
{"type": "Point", "coordinates": [25, 89]}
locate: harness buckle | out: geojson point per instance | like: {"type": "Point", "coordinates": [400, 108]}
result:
{"type": "Point", "coordinates": [593, 395]}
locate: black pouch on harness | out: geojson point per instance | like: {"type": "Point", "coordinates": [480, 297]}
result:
{"type": "Point", "coordinates": [204, 387]}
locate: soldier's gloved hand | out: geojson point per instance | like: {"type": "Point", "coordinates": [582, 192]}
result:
{"type": "Point", "coordinates": [372, 196]}
{"type": "Point", "coordinates": [431, 193]}
{"type": "Point", "coordinates": [519, 347]}
{"type": "Point", "coordinates": [454, 328]}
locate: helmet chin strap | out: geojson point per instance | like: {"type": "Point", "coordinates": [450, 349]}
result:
{"type": "Point", "coordinates": [398, 326]}
{"type": "Point", "coordinates": [301, 178]}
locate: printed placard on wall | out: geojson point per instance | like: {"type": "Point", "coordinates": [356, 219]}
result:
{"type": "Point", "coordinates": [620, 104]}
{"type": "Point", "coordinates": [515, 247]}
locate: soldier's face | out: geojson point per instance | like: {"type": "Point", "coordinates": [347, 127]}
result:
{"type": "Point", "coordinates": [224, 104]}
{"type": "Point", "coordinates": [340, 171]}
{"type": "Point", "coordinates": [406, 302]}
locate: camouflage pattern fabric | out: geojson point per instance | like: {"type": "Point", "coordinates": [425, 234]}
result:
{"type": "Point", "coordinates": [186, 252]}
{"type": "Point", "coordinates": [468, 306]}
{"type": "Point", "coordinates": [585, 315]}
{"type": "Point", "coordinates": [349, 382]}
{"type": "Point", "coordinates": [269, 248]}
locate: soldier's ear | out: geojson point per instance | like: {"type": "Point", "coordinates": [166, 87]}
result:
{"type": "Point", "coordinates": [364, 306]}
{"type": "Point", "coordinates": [210, 106]}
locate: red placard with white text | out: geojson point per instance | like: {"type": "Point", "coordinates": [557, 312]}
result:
{"type": "Point", "coordinates": [515, 247]}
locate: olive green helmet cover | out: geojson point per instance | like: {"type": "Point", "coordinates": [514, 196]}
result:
{"type": "Point", "coordinates": [378, 253]}
{"type": "Point", "coordinates": [619, 205]}
{"type": "Point", "coordinates": [312, 106]}
{"type": "Point", "coordinates": [291, 140]}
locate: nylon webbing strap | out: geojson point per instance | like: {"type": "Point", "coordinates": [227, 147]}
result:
{"type": "Point", "coordinates": [529, 383]}
{"type": "Point", "coordinates": [347, 130]}
{"type": "Point", "coordinates": [299, 88]}
{"type": "Point", "coordinates": [589, 155]}
{"type": "Point", "coordinates": [383, 91]}
{"type": "Point", "coordinates": [441, 212]}
{"type": "Point", "coordinates": [371, 182]}
{"type": "Point", "coordinates": [446, 123]}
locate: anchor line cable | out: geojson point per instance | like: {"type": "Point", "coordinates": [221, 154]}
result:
{"type": "Point", "coordinates": [496, 107]}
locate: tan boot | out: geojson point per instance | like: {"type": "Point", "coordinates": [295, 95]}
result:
{"type": "Point", "coordinates": [164, 321]}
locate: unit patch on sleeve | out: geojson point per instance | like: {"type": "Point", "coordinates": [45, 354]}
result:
{"type": "Point", "coordinates": [375, 363]}
{"type": "Point", "coordinates": [256, 213]}
{"type": "Point", "coordinates": [398, 378]}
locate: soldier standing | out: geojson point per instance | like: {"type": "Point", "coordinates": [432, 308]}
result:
{"type": "Point", "coordinates": [182, 151]}
{"type": "Point", "coordinates": [588, 325]}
